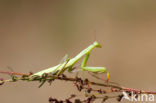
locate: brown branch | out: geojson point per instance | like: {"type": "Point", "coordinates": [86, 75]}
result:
{"type": "Point", "coordinates": [115, 88]}
{"type": "Point", "coordinates": [121, 88]}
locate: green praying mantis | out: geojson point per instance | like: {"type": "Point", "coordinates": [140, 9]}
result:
{"type": "Point", "coordinates": [69, 63]}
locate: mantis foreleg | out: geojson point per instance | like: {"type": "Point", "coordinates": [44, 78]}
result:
{"type": "Point", "coordinates": [91, 69]}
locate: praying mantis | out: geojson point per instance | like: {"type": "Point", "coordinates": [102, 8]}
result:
{"type": "Point", "coordinates": [69, 63]}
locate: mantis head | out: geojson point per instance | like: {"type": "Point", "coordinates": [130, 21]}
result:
{"type": "Point", "coordinates": [96, 44]}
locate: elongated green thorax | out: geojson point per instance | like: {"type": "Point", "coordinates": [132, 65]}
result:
{"type": "Point", "coordinates": [82, 53]}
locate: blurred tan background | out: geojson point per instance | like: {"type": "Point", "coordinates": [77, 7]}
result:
{"type": "Point", "coordinates": [36, 35]}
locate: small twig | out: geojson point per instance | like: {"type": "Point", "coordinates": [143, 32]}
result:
{"type": "Point", "coordinates": [12, 73]}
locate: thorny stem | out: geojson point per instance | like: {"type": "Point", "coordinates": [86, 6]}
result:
{"type": "Point", "coordinates": [121, 88]}
{"type": "Point", "coordinates": [115, 88]}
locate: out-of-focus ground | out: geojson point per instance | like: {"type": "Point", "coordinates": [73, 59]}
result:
{"type": "Point", "coordinates": [36, 35]}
